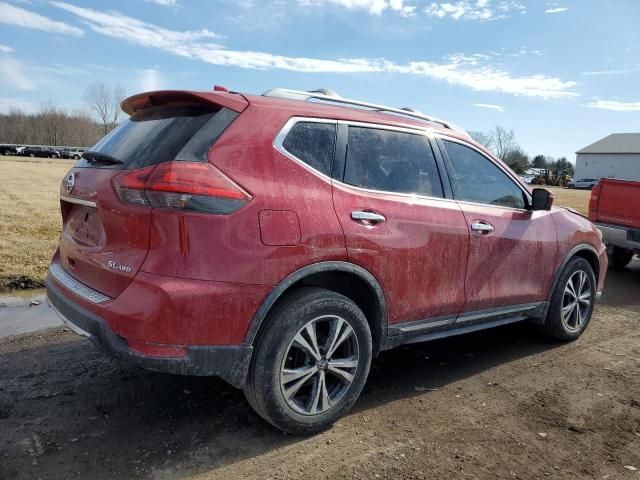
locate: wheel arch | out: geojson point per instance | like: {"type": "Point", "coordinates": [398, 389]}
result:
{"type": "Point", "coordinates": [586, 251]}
{"type": "Point", "coordinates": [348, 279]}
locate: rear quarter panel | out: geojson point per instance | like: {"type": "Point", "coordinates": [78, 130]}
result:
{"type": "Point", "coordinates": [230, 248]}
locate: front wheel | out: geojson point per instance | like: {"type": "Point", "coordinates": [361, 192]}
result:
{"type": "Point", "coordinates": [311, 362]}
{"type": "Point", "coordinates": [572, 301]}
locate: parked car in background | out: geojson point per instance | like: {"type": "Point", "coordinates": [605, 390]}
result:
{"type": "Point", "coordinates": [43, 152]}
{"type": "Point", "coordinates": [585, 183]}
{"type": "Point", "coordinates": [72, 153]}
{"type": "Point", "coordinates": [283, 241]}
{"type": "Point", "coordinates": [8, 150]}
{"type": "Point", "coordinates": [614, 207]}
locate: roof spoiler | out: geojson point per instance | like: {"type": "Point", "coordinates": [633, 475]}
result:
{"type": "Point", "coordinates": [138, 102]}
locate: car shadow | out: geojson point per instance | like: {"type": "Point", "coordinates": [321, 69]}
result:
{"type": "Point", "coordinates": [65, 407]}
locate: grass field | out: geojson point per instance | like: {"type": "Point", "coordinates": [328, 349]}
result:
{"type": "Point", "coordinates": [30, 217]}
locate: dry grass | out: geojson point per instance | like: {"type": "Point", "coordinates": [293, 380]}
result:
{"type": "Point", "coordinates": [29, 219]}
{"type": "Point", "coordinates": [578, 199]}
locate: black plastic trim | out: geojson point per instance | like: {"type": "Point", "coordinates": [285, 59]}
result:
{"type": "Point", "coordinates": [330, 266]}
{"type": "Point", "coordinates": [231, 363]}
{"type": "Point", "coordinates": [572, 253]}
{"type": "Point", "coordinates": [450, 325]}
{"type": "Point", "coordinates": [340, 157]}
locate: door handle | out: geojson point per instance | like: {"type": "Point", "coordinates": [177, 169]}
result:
{"type": "Point", "coordinates": [368, 217]}
{"type": "Point", "coordinates": [482, 227]}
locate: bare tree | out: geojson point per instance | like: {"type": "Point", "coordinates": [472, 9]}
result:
{"type": "Point", "coordinates": [104, 101]}
{"type": "Point", "coordinates": [504, 141]}
{"type": "Point", "coordinates": [483, 138]}
{"type": "Point", "coordinates": [499, 140]}
{"type": "Point", "coordinates": [52, 125]}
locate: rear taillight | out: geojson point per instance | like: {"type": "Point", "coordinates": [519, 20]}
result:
{"type": "Point", "coordinates": [185, 186]}
{"type": "Point", "coordinates": [593, 202]}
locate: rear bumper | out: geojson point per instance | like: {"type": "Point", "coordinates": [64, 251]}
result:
{"type": "Point", "coordinates": [229, 362]}
{"type": "Point", "coordinates": [622, 237]}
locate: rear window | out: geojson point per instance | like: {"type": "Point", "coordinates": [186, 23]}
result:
{"type": "Point", "coordinates": [160, 134]}
{"type": "Point", "coordinates": [313, 143]}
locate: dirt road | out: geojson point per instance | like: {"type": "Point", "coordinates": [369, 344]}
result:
{"type": "Point", "coordinates": [499, 404]}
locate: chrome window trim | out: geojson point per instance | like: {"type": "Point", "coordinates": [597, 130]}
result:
{"type": "Point", "coordinates": [78, 201]}
{"type": "Point", "coordinates": [424, 131]}
{"type": "Point", "coordinates": [279, 140]}
{"type": "Point", "coordinates": [75, 286]}
{"type": "Point", "coordinates": [500, 167]}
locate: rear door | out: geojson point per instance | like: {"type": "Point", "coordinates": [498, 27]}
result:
{"type": "Point", "coordinates": [398, 224]}
{"type": "Point", "coordinates": [105, 239]}
{"type": "Point", "coordinates": [512, 250]}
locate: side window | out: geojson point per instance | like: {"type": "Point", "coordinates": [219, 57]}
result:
{"type": "Point", "coordinates": [391, 161]}
{"type": "Point", "coordinates": [313, 143]}
{"type": "Point", "coordinates": [474, 178]}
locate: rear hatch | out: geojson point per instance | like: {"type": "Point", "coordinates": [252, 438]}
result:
{"type": "Point", "coordinates": [106, 224]}
{"type": "Point", "coordinates": [619, 203]}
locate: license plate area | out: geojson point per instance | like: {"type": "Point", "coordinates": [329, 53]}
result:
{"type": "Point", "coordinates": [84, 226]}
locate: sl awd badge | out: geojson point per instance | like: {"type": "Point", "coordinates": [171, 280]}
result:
{"type": "Point", "coordinates": [117, 266]}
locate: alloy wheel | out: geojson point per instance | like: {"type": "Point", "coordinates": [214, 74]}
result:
{"type": "Point", "coordinates": [320, 365]}
{"type": "Point", "coordinates": [576, 300]}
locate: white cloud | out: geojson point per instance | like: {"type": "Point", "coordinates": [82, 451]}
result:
{"type": "Point", "coordinates": [115, 24]}
{"type": "Point", "coordinates": [475, 9]}
{"type": "Point", "coordinates": [614, 105]}
{"type": "Point", "coordinates": [467, 71]}
{"type": "Point", "coordinates": [607, 72]}
{"type": "Point", "coordinates": [5, 49]}
{"type": "Point", "coordinates": [150, 79]}
{"type": "Point", "coordinates": [556, 10]}
{"type": "Point", "coordinates": [14, 75]}
{"type": "Point", "coordinates": [8, 103]}
{"type": "Point", "coordinates": [12, 15]}
{"type": "Point", "coordinates": [374, 7]}
{"type": "Point", "coordinates": [489, 106]}
{"type": "Point", "coordinates": [164, 3]}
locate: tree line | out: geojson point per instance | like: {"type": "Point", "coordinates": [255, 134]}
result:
{"type": "Point", "coordinates": [55, 126]}
{"type": "Point", "coordinates": [503, 144]}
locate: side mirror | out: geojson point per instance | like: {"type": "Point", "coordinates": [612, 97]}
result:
{"type": "Point", "coordinates": [541, 199]}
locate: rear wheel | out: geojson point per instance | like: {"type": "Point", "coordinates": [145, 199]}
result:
{"type": "Point", "coordinates": [619, 258]}
{"type": "Point", "coordinates": [572, 301]}
{"type": "Point", "coordinates": [311, 362]}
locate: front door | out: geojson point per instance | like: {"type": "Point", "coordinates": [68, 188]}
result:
{"type": "Point", "coordinates": [399, 226]}
{"type": "Point", "coordinates": [512, 250]}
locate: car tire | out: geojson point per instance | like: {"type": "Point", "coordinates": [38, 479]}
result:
{"type": "Point", "coordinates": [619, 258]}
{"type": "Point", "coordinates": [302, 386]}
{"type": "Point", "coordinates": [572, 301]}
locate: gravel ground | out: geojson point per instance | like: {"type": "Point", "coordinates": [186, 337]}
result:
{"type": "Point", "coordinates": [497, 404]}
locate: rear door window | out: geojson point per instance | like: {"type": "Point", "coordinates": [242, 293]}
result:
{"type": "Point", "coordinates": [160, 134]}
{"type": "Point", "coordinates": [475, 178]}
{"type": "Point", "coordinates": [391, 161]}
{"type": "Point", "coordinates": [313, 143]}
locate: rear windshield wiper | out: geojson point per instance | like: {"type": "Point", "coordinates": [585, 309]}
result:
{"type": "Point", "coordinates": [93, 156]}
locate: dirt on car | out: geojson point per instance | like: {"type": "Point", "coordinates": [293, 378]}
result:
{"type": "Point", "coordinates": [504, 403]}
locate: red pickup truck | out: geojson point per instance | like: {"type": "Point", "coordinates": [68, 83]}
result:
{"type": "Point", "coordinates": [614, 207]}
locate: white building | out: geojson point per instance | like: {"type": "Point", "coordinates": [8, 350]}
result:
{"type": "Point", "coordinates": [615, 156]}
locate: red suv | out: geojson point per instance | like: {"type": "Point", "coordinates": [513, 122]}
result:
{"type": "Point", "coordinates": [283, 241]}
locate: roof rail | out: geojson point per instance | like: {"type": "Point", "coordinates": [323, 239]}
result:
{"type": "Point", "coordinates": [329, 96]}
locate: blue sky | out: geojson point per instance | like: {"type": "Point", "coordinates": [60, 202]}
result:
{"type": "Point", "coordinates": [561, 73]}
